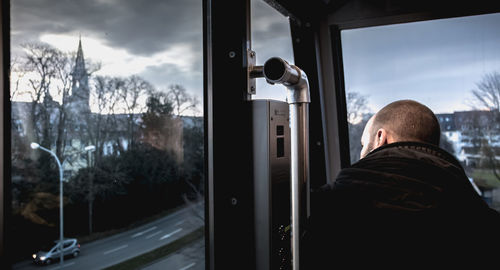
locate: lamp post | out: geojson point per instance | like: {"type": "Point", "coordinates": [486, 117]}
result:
{"type": "Point", "coordinates": [89, 150]}
{"type": "Point", "coordinates": [61, 212]}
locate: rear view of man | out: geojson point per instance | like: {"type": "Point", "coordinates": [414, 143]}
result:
{"type": "Point", "coordinates": [405, 200]}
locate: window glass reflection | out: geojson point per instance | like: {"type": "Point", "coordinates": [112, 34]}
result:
{"type": "Point", "coordinates": [106, 104]}
{"type": "Point", "coordinates": [452, 66]}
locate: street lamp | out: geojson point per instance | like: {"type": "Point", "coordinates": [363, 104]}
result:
{"type": "Point", "coordinates": [89, 150]}
{"type": "Point", "coordinates": [61, 213]}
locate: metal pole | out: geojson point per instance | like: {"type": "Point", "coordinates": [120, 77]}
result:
{"type": "Point", "coordinates": [90, 149]}
{"type": "Point", "coordinates": [277, 70]}
{"type": "Point", "coordinates": [61, 212]}
{"type": "Point", "coordinates": [90, 193]}
{"type": "Point", "coordinates": [299, 173]}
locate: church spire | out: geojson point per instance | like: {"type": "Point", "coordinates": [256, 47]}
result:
{"type": "Point", "coordinates": [80, 85]}
{"type": "Point", "coordinates": [80, 61]}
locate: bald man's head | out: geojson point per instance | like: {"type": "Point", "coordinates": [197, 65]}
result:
{"type": "Point", "coordinates": [404, 120]}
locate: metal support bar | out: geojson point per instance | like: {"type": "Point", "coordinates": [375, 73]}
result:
{"type": "Point", "coordinates": [277, 70]}
{"type": "Point", "coordinates": [299, 126]}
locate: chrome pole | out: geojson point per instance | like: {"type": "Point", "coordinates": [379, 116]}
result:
{"type": "Point", "coordinates": [277, 70]}
{"type": "Point", "coordinates": [299, 173]}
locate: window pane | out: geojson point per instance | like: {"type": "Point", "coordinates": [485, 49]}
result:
{"type": "Point", "coordinates": [271, 37]}
{"type": "Point", "coordinates": [452, 66]}
{"type": "Point", "coordinates": [106, 96]}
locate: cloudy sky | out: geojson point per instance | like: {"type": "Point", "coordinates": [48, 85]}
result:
{"type": "Point", "coordinates": [158, 40]}
{"type": "Point", "coordinates": [437, 62]}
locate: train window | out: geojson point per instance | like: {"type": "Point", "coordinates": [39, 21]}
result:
{"type": "Point", "coordinates": [271, 37]}
{"type": "Point", "coordinates": [450, 65]}
{"type": "Point", "coordinates": [107, 107]}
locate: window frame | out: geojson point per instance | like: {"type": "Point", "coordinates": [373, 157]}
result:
{"type": "Point", "coordinates": [5, 161]}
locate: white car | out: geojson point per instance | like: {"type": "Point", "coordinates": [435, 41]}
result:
{"type": "Point", "coordinates": [71, 247]}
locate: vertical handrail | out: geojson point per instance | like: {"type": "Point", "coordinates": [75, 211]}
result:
{"type": "Point", "coordinates": [299, 173]}
{"type": "Point", "coordinates": [277, 70]}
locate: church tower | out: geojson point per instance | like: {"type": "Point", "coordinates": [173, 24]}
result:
{"type": "Point", "coordinates": [80, 84]}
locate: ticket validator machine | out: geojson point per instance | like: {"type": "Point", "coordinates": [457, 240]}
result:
{"type": "Point", "coordinates": [281, 166]}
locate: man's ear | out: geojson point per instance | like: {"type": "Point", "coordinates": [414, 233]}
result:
{"type": "Point", "coordinates": [381, 138]}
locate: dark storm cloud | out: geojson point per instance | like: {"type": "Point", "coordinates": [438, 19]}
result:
{"type": "Point", "coordinates": [140, 27]}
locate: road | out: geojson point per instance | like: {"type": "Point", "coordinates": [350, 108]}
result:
{"type": "Point", "coordinates": [117, 248]}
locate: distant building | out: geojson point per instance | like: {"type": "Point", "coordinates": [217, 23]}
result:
{"type": "Point", "coordinates": [469, 131]}
{"type": "Point", "coordinates": [473, 133]}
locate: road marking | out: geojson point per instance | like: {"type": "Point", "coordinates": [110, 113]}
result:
{"type": "Point", "coordinates": [179, 223]}
{"type": "Point", "coordinates": [143, 232]}
{"type": "Point", "coordinates": [156, 233]}
{"type": "Point", "coordinates": [64, 265]}
{"type": "Point", "coordinates": [187, 266]}
{"type": "Point", "coordinates": [170, 234]}
{"type": "Point", "coordinates": [115, 249]}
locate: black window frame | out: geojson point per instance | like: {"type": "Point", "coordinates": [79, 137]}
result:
{"type": "Point", "coordinates": [5, 186]}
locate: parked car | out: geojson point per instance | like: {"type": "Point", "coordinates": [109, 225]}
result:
{"type": "Point", "coordinates": [71, 247]}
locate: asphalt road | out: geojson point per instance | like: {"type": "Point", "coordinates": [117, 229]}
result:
{"type": "Point", "coordinates": [117, 248]}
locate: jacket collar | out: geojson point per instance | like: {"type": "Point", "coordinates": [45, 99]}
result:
{"type": "Point", "coordinates": [415, 146]}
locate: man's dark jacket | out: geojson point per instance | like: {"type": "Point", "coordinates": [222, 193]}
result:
{"type": "Point", "coordinates": [404, 201]}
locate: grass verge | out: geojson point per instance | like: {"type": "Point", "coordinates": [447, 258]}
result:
{"type": "Point", "coordinates": [485, 178]}
{"type": "Point", "coordinates": [149, 257]}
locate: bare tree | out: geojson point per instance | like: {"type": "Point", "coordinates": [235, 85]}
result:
{"type": "Point", "coordinates": [133, 89]}
{"type": "Point", "coordinates": [489, 160]}
{"type": "Point", "coordinates": [16, 75]}
{"type": "Point", "coordinates": [487, 92]}
{"type": "Point", "coordinates": [63, 68]}
{"type": "Point", "coordinates": [357, 112]}
{"type": "Point", "coordinates": [487, 96]}
{"type": "Point", "coordinates": [181, 102]}
{"type": "Point", "coordinates": [40, 61]}
{"type": "Point", "coordinates": [105, 95]}
{"type": "Point", "coordinates": [100, 129]}
{"type": "Point", "coordinates": [181, 99]}
{"type": "Point", "coordinates": [356, 107]}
